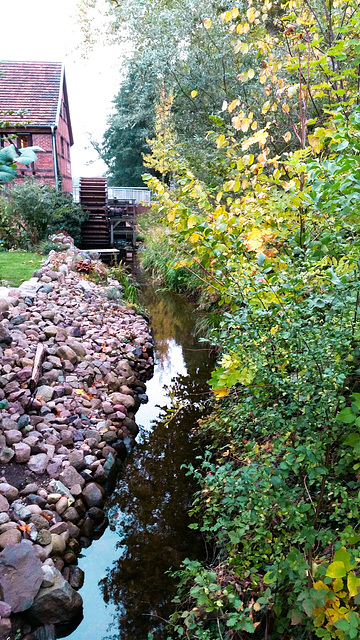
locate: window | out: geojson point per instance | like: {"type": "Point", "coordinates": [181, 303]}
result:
{"type": "Point", "coordinates": [68, 150]}
{"type": "Point", "coordinates": [23, 141]}
{"type": "Point", "coordinates": [62, 146]}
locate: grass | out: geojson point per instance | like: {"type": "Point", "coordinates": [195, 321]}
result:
{"type": "Point", "coordinates": [17, 266]}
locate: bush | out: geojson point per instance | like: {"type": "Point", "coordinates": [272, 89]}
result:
{"type": "Point", "coordinates": [30, 211]}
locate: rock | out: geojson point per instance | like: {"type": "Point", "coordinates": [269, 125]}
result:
{"type": "Point", "coordinates": [78, 348]}
{"type": "Point", "coordinates": [5, 337]}
{"type": "Point", "coordinates": [93, 495]}
{"type": "Point", "coordinates": [4, 505]}
{"type": "Point", "coordinates": [19, 566]}
{"type": "Point", "coordinates": [58, 544]}
{"type": "Point", "coordinates": [70, 477]}
{"type": "Point", "coordinates": [56, 603]}
{"type": "Point", "coordinates": [76, 459]}
{"type": "Point", "coordinates": [10, 492]}
{"type": "Point", "coordinates": [4, 306]}
{"type": "Point", "coordinates": [121, 398]}
{"type": "Point", "coordinates": [9, 538]}
{"type": "Point", "coordinates": [38, 463]}
{"type": "Point", "coordinates": [49, 577]}
{"type": "Point", "coordinates": [22, 452]}
{"type": "Point", "coordinates": [45, 393]}
{"type": "Point", "coordinates": [76, 577]}
{"type": "Point", "coordinates": [5, 609]}
{"type": "Point", "coordinates": [5, 627]}
{"type": "Point", "coordinates": [62, 505]}
{"type": "Point", "coordinates": [6, 455]}
{"type": "Point", "coordinates": [66, 353]}
{"type": "Point", "coordinates": [44, 537]}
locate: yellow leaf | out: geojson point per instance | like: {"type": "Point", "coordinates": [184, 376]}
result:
{"type": "Point", "coordinates": [219, 196]}
{"type": "Point", "coordinates": [194, 238]}
{"type": "Point", "coordinates": [262, 78]}
{"type": "Point", "coordinates": [192, 222]}
{"type": "Point", "coordinates": [171, 216]}
{"type": "Point", "coordinates": [285, 108]}
{"type": "Point", "coordinates": [221, 393]}
{"type": "Point", "coordinates": [207, 23]}
{"type": "Point", "coordinates": [221, 141]}
{"type": "Point", "coordinates": [315, 143]}
{"type": "Point", "coordinates": [254, 125]}
{"type": "Point", "coordinates": [244, 184]}
{"type": "Point", "coordinates": [287, 136]}
{"type": "Point", "coordinates": [233, 105]}
{"type": "Point", "coordinates": [353, 583]}
{"type": "Point", "coordinates": [251, 73]}
{"type": "Point", "coordinates": [250, 14]}
{"type": "Point", "coordinates": [266, 107]}
{"type": "Point", "coordinates": [244, 49]}
{"type": "Point", "coordinates": [227, 16]}
{"type": "Point", "coordinates": [235, 12]}
{"type": "Point", "coordinates": [193, 94]}
{"type": "Point", "coordinates": [245, 125]}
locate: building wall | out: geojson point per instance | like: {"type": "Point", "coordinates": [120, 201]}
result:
{"type": "Point", "coordinates": [63, 149]}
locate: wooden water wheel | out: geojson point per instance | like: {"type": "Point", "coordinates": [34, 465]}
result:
{"type": "Point", "coordinates": [95, 232]}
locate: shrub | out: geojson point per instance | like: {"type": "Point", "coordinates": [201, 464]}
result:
{"type": "Point", "coordinates": [30, 211]}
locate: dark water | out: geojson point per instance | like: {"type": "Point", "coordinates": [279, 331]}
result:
{"type": "Point", "coordinates": [126, 592]}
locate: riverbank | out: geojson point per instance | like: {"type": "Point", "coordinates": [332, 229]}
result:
{"type": "Point", "coordinates": [61, 442]}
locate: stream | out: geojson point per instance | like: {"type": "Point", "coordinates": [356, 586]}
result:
{"type": "Point", "coordinates": [126, 592]}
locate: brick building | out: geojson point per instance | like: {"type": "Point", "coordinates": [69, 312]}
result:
{"type": "Point", "coordinates": [36, 94]}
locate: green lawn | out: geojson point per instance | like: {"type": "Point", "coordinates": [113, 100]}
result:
{"type": "Point", "coordinates": [17, 266]}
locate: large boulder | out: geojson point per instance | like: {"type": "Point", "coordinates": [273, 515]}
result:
{"type": "Point", "coordinates": [20, 575]}
{"type": "Point", "coordinates": [56, 603]}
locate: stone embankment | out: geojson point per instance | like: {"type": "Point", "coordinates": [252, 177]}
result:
{"type": "Point", "coordinates": [61, 444]}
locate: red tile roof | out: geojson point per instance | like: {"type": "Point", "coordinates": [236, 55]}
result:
{"type": "Point", "coordinates": [32, 86]}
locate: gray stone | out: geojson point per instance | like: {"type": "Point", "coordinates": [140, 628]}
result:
{"type": "Point", "coordinates": [66, 353]}
{"type": "Point", "coordinates": [5, 609]}
{"type": "Point", "coordinates": [45, 393]}
{"type": "Point", "coordinates": [62, 505]}
{"type": "Point", "coordinates": [9, 538]}
{"type": "Point", "coordinates": [22, 452]}
{"type": "Point", "coordinates": [5, 337]}
{"type": "Point", "coordinates": [4, 305]}
{"type": "Point", "coordinates": [7, 490]}
{"type": "Point", "coordinates": [20, 566]}
{"type": "Point", "coordinates": [4, 505]}
{"type": "Point", "coordinates": [71, 477]}
{"type": "Point", "coordinates": [44, 537]}
{"type": "Point", "coordinates": [76, 459]}
{"type": "Point", "coordinates": [38, 463]}
{"type": "Point", "coordinates": [124, 399]}
{"type": "Point", "coordinates": [77, 347]}
{"type": "Point", "coordinates": [58, 544]}
{"type": "Point", "coordinates": [6, 455]}
{"type": "Point", "coordinates": [93, 495]}
{"type": "Point", "coordinates": [12, 436]}
{"type": "Point", "coordinates": [56, 603]}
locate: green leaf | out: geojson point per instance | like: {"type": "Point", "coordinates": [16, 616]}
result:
{"type": "Point", "coordinates": [261, 259]}
{"type": "Point", "coordinates": [346, 415]}
{"type": "Point", "coordinates": [341, 555]}
{"type": "Point", "coordinates": [192, 222]}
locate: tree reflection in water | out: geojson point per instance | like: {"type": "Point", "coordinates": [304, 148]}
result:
{"type": "Point", "coordinates": [149, 507]}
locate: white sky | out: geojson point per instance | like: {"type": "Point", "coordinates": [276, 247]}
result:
{"type": "Point", "coordinates": [47, 30]}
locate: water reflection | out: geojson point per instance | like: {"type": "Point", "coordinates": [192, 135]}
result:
{"type": "Point", "coordinates": [148, 531]}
